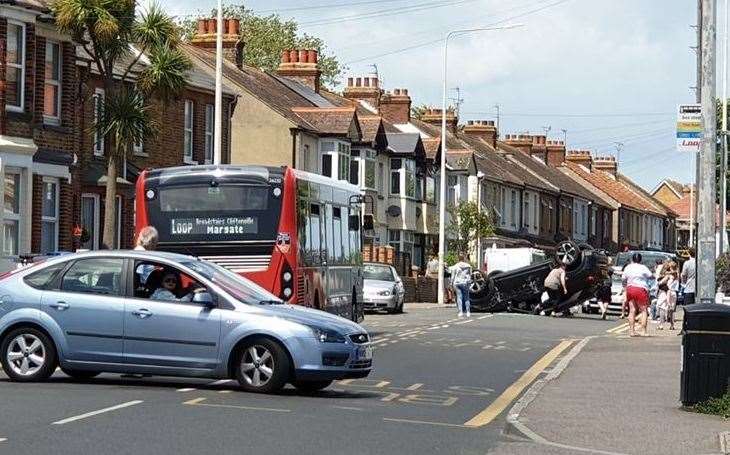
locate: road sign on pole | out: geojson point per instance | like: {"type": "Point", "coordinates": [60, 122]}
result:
{"type": "Point", "coordinates": [689, 127]}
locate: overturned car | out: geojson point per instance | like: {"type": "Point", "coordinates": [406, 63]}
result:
{"type": "Point", "coordinates": [521, 289]}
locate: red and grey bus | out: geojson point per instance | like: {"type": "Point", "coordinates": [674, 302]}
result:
{"type": "Point", "coordinates": [295, 233]}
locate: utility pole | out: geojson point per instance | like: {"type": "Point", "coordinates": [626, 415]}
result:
{"type": "Point", "coordinates": [722, 229]}
{"type": "Point", "coordinates": [218, 112]}
{"type": "Point", "coordinates": [458, 101]}
{"type": "Point", "coordinates": [706, 183]}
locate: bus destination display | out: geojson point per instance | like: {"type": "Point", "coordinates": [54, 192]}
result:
{"type": "Point", "coordinates": [214, 225]}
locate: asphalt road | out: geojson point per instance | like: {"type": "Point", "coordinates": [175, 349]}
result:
{"type": "Point", "coordinates": [440, 385]}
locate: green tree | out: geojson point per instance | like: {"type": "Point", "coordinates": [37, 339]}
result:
{"type": "Point", "coordinates": [468, 223]}
{"type": "Point", "coordinates": [115, 37]}
{"type": "Point", "coordinates": [267, 36]}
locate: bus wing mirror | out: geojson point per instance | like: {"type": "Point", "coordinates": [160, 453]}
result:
{"type": "Point", "coordinates": [353, 222]}
{"type": "Point", "coordinates": [368, 222]}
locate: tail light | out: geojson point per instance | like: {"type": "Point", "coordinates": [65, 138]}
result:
{"type": "Point", "coordinates": [287, 282]}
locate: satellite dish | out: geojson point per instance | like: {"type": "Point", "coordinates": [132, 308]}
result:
{"type": "Point", "coordinates": [394, 211]}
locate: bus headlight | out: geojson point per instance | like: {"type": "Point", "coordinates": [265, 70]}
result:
{"type": "Point", "coordinates": [287, 292]}
{"type": "Point", "coordinates": [287, 276]}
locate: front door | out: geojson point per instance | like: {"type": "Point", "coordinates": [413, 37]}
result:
{"type": "Point", "coordinates": [88, 306]}
{"type": "Point", "coordinates": [162, 326]}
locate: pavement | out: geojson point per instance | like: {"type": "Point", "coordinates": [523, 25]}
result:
{"type": "Point", "coordinates": [617, 395]}
{"type": "Point", "coordinates": [440, 385]}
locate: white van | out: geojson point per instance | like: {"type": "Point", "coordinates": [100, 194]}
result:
{"type": "Point", "coordinates": [506, 259]}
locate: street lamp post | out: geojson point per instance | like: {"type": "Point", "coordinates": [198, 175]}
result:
{"type": "Point", "coordinates": [442, 195]}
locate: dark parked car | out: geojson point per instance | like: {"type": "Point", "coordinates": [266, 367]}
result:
{"type": "Point", "coordinates": [521, 289]}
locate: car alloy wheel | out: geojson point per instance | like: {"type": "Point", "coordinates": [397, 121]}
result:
{"type": "Point", "coordinates": [26, 354]}
{"type": "Point", "coordinates": [567, 253]}
{"type": "Point", "coordinates": [257, 366]}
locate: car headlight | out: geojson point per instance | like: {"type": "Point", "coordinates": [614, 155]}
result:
{"type": "Point", "coordinates": [385, 292]}
{"type": "Point", "coordinates": [327, 336]}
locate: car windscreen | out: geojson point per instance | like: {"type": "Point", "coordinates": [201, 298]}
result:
{"type": "Point", "coordinates": [215, 213]}
{"type": "Point", "coordinates": [377, 272]}
{"type": "Point", "coordinates": [648, 259]}
{"type": "Point", "coordinates": [243, 290]}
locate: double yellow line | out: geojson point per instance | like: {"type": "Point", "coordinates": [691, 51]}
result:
{"type": "Point", "coordinates": [619, 329]}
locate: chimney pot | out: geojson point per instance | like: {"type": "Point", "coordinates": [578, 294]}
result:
{"type": "Point", "coordinates": [405, 92]}
{"type": "Point", "coordinates": [202, 26]}
{"type": "Point", "coordinates": [303, 56]}
{"type": "Point", "coordinates": [226, 25]}
{"type": "Point", "coordinates": [358, 82]}
{"type": "Point", "coordinates": [470, 122]}
{"type": "Point", "coordinates": [234, 26]}
{"type": "Point", "coordinates": [293, 56]}
{"type": "Point", "coordinates": [396, 91]}
{"type": "Point", "coordinates": [213, 26]}
{"type": "Point", "coordinates": [349, 82]}
{"type": "Point", "coordinates": [374, 81]}
{"type": "Point", "coordinates": [312, 56]}
{"type": "Point", "coordinates": [284, 56]}
{"type": "Point", "coordinates": [366, 82]}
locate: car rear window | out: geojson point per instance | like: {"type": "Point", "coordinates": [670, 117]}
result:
{"type": "Point", "coordinates": [43, 277]}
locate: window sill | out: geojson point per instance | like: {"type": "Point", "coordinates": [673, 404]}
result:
{"type": "Point", "coordinates": [56, 127]}
{"type": "Point", "coordinates": [141, 154]}
{"type": "Point", "coordinates": [189, 162]}
{"type": "Point", "coordinates": [18, 115]}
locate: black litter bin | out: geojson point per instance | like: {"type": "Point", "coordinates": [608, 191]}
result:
{"type": "Point", "coordinates": [705, 371]}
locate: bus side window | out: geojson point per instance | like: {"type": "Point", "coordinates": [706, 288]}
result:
{"type": "Point", "coordinates": [303, 231]}
{"type": "Point", "coordinates": [314, 234]}
{"type": "Point", "coordinates": [337, 233]}
{"type": "Point", "coordinates": [354, 240]}
{"type": "Point", "coordinates": [344, 238]}
{"type": "Point", "coordinates": [329, 238]}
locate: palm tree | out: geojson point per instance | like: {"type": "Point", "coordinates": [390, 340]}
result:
{"type": "Point", "coordinates": [115, 38]}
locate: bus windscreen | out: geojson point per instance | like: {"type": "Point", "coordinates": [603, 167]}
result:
{"type": "Point", "coordinates": [214, 198]}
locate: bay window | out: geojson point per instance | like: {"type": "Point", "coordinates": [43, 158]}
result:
{"type": "Point", "coordinates": [188, 138]}
{"type": "Point", "coordinates": [49, 219]}
{"type": "Point", "coordinates": [430, 190]}
{"type": "Point", "coordinates": [355, 167]}
{"type": "Point", "coordinates": [394, 239]}
{"type": "Point", "coordinates": [335, 159]}
{"type": "Point", "coordinates": [52, 84]}
{"type": "Point", "coordinates": [15, 67]}
{"type": "Point", "coordinates": [403, 177]}
{"type": "Point", "coordinates": [362, 168]}
{"type": "Point", "coordinates": [381, 178]}
{"type": "Point", "coordinates": [11, 213]}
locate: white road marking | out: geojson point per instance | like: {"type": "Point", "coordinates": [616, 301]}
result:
{"type": "Point", "coordinates": [225, 391]}
{"type": "Point", "coordinates": [382, 340]}
{"type": "Point", "coordinates": [465, 322]}
{"type": "Point", "coordinates": [444, 326]}
{"type": "Point", "coordinates": [100, 411]}
{"type": "Point", "coordinates": [348, 408]}
{"type": "Point", "coordinates": [433, 327]}
{"type": "Point", "coordinates": [485, 317]}
{"type": "Point", "coordinates": [221, 382]}
{"type": "Point", "coordinates": [3, 439]}
{"type": "Point", "coordinates": [414, 386]}
{"type": "Point", "coordinates": [186, 389]}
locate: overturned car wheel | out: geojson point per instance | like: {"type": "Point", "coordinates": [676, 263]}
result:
{"type": "Point", "coordinates": [568, 253]}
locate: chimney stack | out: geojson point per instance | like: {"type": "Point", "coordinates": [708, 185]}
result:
{"type": "Point", "coordinates": [580, 157]}
{"type": "Point", "coordinates": [363, 89]}
{"type": "Point", "coordinates": [205, 38]}
{"type": "Point", "coordinates": [300, 65]}
{"type": "Point", "coordinates": [606, 164]}
{"type": "Point", "coordinates": [555, 153]}
{"type": "Point", "coordinates": [395, 107]}
{"type": "Point", "coordinates": [523, 142]}
{"type": "Point", "coordinates": [482, 129]}
{"type": "Point", "coordinates": [434, 117]}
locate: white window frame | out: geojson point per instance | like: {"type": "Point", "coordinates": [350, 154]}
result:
{"type": "Point", "coordinates": [96, 214]}
{"type": "Point", "coordinates": [17, 218]}
{"type": "Point", "coordinates": [527, 209]}
{"type": "Point", "coordinates": [209, 132]}
{"type": "Point", "coordinates": [381, 179]}
{"type": "Point", "coordinates": [50, 119]}
{"type": "Point", "coordinates": [98, 144]}
{"type": "Point", "coordinates": [365, 156]}
{"type": "Point", "coordinates": [10, 107]}
{"type": "Point", "coordinates": [395, 240]}
{"type": "Point", "coordinates": [188, 134]}
{"type": "Point", "coordinates": [47, 219]}
{"type": "Point", "coordinates": [536, 213]}
{"type": "Point", "coordinates": [514, 201]}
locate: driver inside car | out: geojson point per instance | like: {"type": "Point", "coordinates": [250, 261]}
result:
{"type": "Point", "coordinates": [170, 288]}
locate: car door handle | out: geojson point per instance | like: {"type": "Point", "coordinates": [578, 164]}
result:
{"type": "Point", "coordinates": [142, 313]}
{"type": "Point", "coordinates": [59, 305]}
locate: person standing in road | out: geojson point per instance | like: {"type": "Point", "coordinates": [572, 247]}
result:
{"type": "Point", "coordinates": [461, 281]}
{"type": "Point", "coordinates": [689, 278]}
{"type": "Point", "coordinates": [637, 279]}
{"type": "Point", "coordinates": [555, 286]}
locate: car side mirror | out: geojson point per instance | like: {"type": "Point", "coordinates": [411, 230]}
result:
{"type": "Point", "coordinates": [204, 298]}
{"type": "Point", "coordinates": [353, 222]}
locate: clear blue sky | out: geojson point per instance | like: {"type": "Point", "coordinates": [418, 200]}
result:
{"type": "Point", "coordinates": [605, 71]}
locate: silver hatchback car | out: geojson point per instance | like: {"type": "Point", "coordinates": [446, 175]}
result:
{"type": "Point", "coordinates": [167, 314]}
